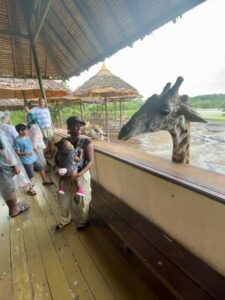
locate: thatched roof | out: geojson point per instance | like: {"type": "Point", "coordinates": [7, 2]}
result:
{"type": "Point", "coordinates": [18, 104]}
{"type": "Point", "coordinates": [11, 104]}
{"type": "Point", "coordinates": [72, 35]}
{"type": "Point", "coordinates": [29, 88]}
{"type": "Point", "coordinates": [104, 83]}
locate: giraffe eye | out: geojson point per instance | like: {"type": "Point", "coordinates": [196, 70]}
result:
{"type": "Point", "coordinates": [164, 112]}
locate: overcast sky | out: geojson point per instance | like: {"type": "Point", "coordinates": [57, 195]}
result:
{"type": "Point", "coordinates": [193, 47]}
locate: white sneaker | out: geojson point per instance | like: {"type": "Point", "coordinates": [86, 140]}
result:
{"type": "Point", "coordinates": [61, 192]}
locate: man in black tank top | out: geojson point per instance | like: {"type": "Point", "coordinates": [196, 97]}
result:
{"type": "Point", "coordinates": [82, 203]}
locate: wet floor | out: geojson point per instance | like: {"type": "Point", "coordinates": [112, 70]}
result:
{"type": "Point", "coordinates": [207, 149]}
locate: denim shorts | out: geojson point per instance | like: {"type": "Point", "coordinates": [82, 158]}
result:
{"type": "Point", "coordinates": [35, 166]}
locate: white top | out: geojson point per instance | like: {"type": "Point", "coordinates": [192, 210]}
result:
{"type": "Point", "coordinates": [10, 132]}
{"type": "Point", "coordinates": [36, 137]}
{"type": "Point", "coordinates": [43, 116]}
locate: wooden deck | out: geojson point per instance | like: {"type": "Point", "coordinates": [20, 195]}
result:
{"type": "Point", "coordinates": [36, 262]}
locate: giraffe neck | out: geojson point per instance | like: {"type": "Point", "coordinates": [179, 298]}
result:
{"type": "Point", "coordinates": [180, 134]}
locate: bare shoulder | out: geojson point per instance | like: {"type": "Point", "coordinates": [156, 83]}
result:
{"type": "Point", "coordinates": [85, 137]}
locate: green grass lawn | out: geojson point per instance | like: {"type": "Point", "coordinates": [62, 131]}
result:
{"type": "Point", "coordinates": [20, 116]}
{"type": "Point", "coordinates": [213, 117]}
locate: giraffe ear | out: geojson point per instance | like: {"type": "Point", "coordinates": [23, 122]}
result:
{"type": "Point", "coordinates": [189, 114]}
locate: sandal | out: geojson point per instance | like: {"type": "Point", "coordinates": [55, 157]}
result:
{"type": "Point", "coordinates": [31, 193]}
{"type": "Point", "coordinates": [23, 206]}
{"type": "Point", "coordinates": [47, 183]}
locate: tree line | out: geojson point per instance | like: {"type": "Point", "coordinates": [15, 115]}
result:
{"type": "Point", "coordinates": [128, 108]}
{"type": "Point", "coordinates": [208, 101]}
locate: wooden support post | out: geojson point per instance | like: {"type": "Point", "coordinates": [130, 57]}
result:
{"type": "Point", "coordinates": [74, 110]}
{"type": "Point", "coordinates": [120, 113]}
{"type": "Point", "coordinates": [35, 56]}
{"type": "Point", "coordinates": [81, 112]}
{"type": "Point", "coordinates": [59, 116]}
{"type": "Point", "coordinates": [106, 117]}
{"type": "Point", "coordinates": [115, 112]}
{"type": "Point", "coordinates": [98, 114]}
{"type": "Point", "coordinates": [84, 112]}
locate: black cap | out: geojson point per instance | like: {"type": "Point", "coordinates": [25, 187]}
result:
{"type": "Point", "coordinates": [71, 121]}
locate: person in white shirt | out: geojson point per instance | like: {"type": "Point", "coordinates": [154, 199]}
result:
{"type": "Point", "coordinates": [44, 121]}
{"type": "Point", "coordinates": [8, 129]}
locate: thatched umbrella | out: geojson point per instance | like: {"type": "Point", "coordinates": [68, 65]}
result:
{"type": "Point", "coordinates": [107, 86]}
{"type": "Point", "coordinates": [11, 104]}
{"type": "Point", "coordinates": [14, 88]}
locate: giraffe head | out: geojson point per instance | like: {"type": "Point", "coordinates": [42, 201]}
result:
{"type": "Point", "coordinates": [93, 130]}
{"type": "Point", "coordinates": [167, 111]}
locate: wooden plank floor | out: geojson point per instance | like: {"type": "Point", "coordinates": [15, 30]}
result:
{"type": "Point", "coordinates": [36, 262]}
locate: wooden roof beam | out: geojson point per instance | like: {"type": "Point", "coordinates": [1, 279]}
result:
{"type": "Point", "coordinates": [134, 10]}
{"type": "Point", "coordinates": [71, 36]}
{"type": "Point", "coordinates": [78, 25]}
{"type": "Point", "coordinates": [61, 41]}
{"type": "Point", "coordinates": [38, 71]}
{"type": "Point", "coordinates": [99, 36]}
{"type": "Point", "coordinates": [52, 42]}
{"type": "Point", "coordinates": [50, 53]}
{"type": "Point", "coordinates": [13, 34]}
{"type": "Point", "coordinates": [114, 18]}
{"type": "Point", "coordinates": [12, 39]}
{"type": "Point", "coordinates": [38, 17]}
{"type": "Point", "coordinates": [19, 41]}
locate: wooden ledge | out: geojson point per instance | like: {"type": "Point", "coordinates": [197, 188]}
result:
{"type": "Point", "coordinates": [196, 179]}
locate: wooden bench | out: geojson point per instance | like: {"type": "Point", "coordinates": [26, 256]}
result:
{"type": "Point", "coordinates": [173, 272]}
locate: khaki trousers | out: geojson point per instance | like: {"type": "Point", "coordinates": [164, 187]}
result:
{"type": "Point", "coordinates": [81, 203]}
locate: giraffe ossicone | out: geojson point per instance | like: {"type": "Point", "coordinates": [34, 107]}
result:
{"type": "Point", "coordinates": [169, 112]}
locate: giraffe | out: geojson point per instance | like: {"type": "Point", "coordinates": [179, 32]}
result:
{"type": "Point", "coordinates": [93, 130]}
{"type": "Point", "coordinates": [167, 111]}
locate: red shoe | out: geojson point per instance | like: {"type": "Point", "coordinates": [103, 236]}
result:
{"type": "Point", "coordinates": [80, 192]}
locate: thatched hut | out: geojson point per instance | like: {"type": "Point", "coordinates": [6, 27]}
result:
{"type": "Point", "coordinates": [106, 87]}
{"type": "Point", "coordinates": [105, 84]}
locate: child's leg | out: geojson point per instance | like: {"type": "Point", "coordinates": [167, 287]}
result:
{"type": "Point", "coordinates": [61, 183]}
{"type": "Point", "coordinates": [61, 186]}
{"type": "Point", "coordinates": [77, 182]}
{"type": "Point", "coordinates": [79, 190]}
{"type": "Point", "coordinates": [30, 173]}
{"type": "Point", "coordinates": [75, 179]}
{"type": "Point", "coordinates": [39, 168]}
